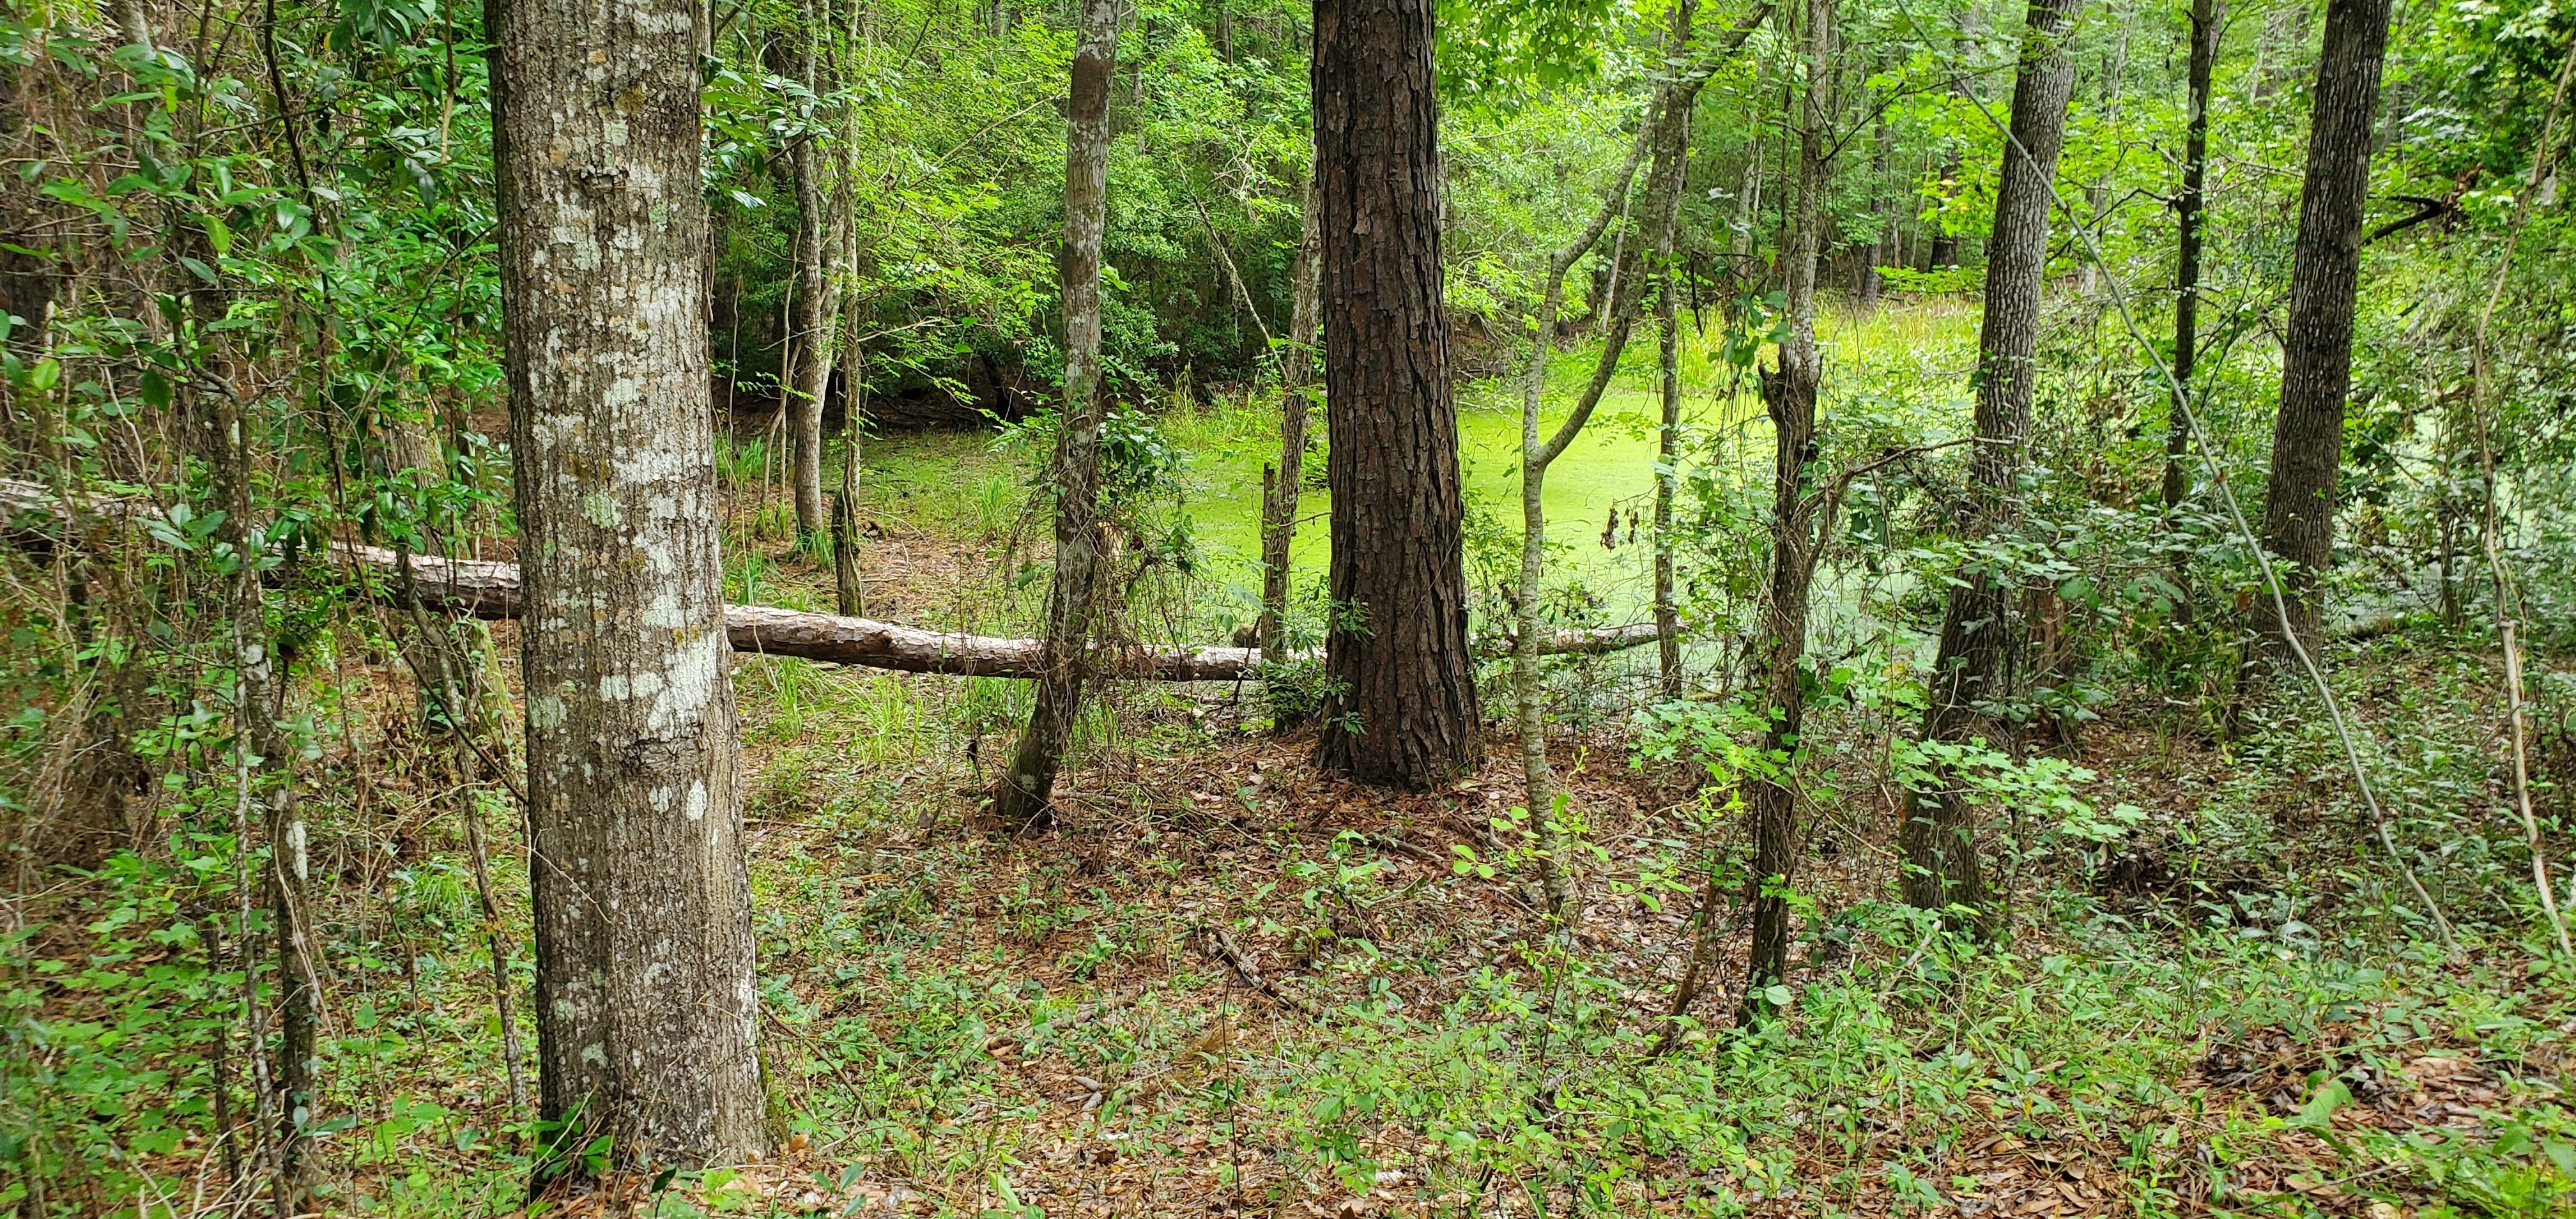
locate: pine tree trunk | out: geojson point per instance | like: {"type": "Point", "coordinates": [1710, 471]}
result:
{"type": "Point", "coordinates": [646, 1011]}
{"type": "Point", "coordinates": [1402, 708]}
{"type": "Point", "coordinates": [2208, 19]}
{"type": "Point", "coordinates": [1296, 375]}
{"type": "Point", "coordinates": [1789, 392]}
{"type": "Point", "coordinates": [2316, 355]}
{"type": "Point", "coordinates": [1022, 795]}
{"type": "Point", "coordinates": [1938, 833]}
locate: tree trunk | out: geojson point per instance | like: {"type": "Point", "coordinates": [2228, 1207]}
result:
{"type": "Point", "coordinates": [2208, 18]}
{"type": "Point", "coordinates": [1943, 250]}
{"type": "Point", "coordinates": [811, 309]}
{"type": "Point", "coordinates": [1938, 833]}
{"type": "Point", "coordinates": [1882, 251]}
{"type": "Point", "coordinates": [1667, 133]}
{"type": "Point", "coordinates": [646, 1011]}
{"type": "Point", "coordinates": [1668, 456]}
{"type": "Point", "coordinates": [259, 709]}
{"type": "Point", "coordinates": [2316, 357]}
{"type": "Point", "coordinates": [263, 753]}
{"type": "Point", "coordinates": [1021, 796]}
{"type": "Point", "coordinates": [1296, 373]}
{"type": "Point", "coordinates": [1790, 392]}
{"type": "Point", "coordinates": [1402, 707]}
{"type": "Point", "coordinates": [849, 589]}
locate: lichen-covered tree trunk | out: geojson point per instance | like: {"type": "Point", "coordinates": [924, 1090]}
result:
{"type": "Point", "coordinates": [1021, 796]}
{"type": "Point", "coordinates": [646, 1011]}
{"type": "Point", "coordinates": [1938, 831]}
{"type": "Point", "coordinates": [2316, 348]}
{"type": "Point", "coordinates": [1296, 376]}
{"type": "Point", "coordinates": [1402, 707]}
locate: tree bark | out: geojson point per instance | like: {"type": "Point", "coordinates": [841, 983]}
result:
{"type": "Point", "coordinates": [1280, 490]}
{"type": "Point", "coordinates": [1022, 793]}
{"type": "Point", "coordinates": [2208, 18]}
{"type": "Point", "coordinates": [646, 1011]}
{"type": "Point", "coordinates": [1789, 394]}
{"type": "Point", "coordinates": [267, 778]}
{"type": "Point", "coordinates": [1401, 708]}
{"type": "Point", "coordinates": [1938, 832]}
{"type": "Point", "coordinates": [2316, 357]}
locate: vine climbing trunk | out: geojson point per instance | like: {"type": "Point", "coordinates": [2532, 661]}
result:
{"type": "Point", "coordinates": [646, 1011]}
{"type": "Point", "coordinates": [1282, 486]}
{"type": "Point", "coordinates": [1401, 704]}
{"type": "Point", "coordinates": [1938, 832]}
{"type": "Point", "coordinates": [2316, 350]}
{"type": "Point", "coordinates": [1023, 794]}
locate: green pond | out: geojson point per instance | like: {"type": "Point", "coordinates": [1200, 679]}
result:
{"type": "Point", "coordinates": [1609, 467]}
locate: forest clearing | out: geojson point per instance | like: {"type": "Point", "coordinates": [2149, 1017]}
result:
{"type": "Point", "coordinates": [1241, 607]}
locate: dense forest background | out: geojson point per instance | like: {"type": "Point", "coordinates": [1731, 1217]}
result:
{"type": "Point", "coordinates": [2264, 936]}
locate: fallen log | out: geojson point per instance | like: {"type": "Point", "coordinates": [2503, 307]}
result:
{"type": "Point", "coordinates": [486, 588]}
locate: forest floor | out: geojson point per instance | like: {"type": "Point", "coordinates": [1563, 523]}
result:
{"type": "Point", "coordinates": [1112, 1059]}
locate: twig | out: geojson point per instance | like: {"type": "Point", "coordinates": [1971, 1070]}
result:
{"type": "Point", "coordinates": [1214, 938]}
{"type": "Point", "coordinates": [2508, 597]}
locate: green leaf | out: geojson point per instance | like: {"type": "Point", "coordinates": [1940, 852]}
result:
{"type": "Point", "coordinates": [1778, 995]}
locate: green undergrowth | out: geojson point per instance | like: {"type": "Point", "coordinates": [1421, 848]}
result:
{"type": "Point", "coordinates": [957, 1011]}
